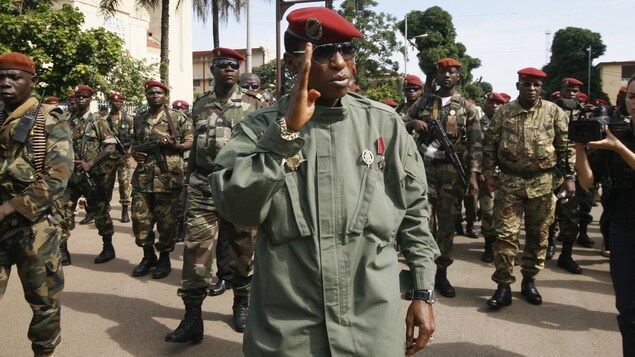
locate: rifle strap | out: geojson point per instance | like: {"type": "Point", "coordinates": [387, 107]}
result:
{"type": "Point", "coordinates": [170, 122]}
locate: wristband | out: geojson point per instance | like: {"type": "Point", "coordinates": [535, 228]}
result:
{"type": "Point", "coordinates": [285, 133]}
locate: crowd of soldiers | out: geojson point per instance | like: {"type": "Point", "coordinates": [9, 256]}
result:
{"type": "Point", "coordinates": [502, 169]}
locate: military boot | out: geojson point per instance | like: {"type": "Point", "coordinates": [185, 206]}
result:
{"type": "Point", "coordinates": [125, 217]}
{"type": "Point", "coordinates": [529, 291]}
{"type": "Point", "coordinates": [107, 253]}
{"type": "Point", "coordinates": [458, 227]}
{"type": "Point", "coordinates": [71, 223]}
{"type": "Point", "coordinates": [65, 255]}
{"type": "Point", "coordinates": [164, 267]}
{"type": "Point", "coordinates": [87, 220]}
{"type": "Point", "coordinates": [565, 260]}
{"type": "Point", "coordinates": [470, 231]}
{"type": "Point", "coordinates": [551, 248]}
{"type": "Point", "coordinates": [502, 297]}
{"type": "Point", "coordinates": [442, 284]}
{"type": "Point", "coordinates": [148, 262]}
{"type": "Point", "coordinates": [583, 238]}
{"type": "Point", "coordinates": [240, 307]}
{"type": "Point", "coordinates": [488, 254]}
{"type": "Point", "coordinates": [191, 327]}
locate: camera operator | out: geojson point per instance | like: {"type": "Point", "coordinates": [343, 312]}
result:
{"type": "Point", "coordinates": [615, 158]}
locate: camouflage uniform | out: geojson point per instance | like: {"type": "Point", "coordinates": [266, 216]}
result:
{"type": "Point", "coordinates": [155, 193]}
{"type": "Point", "coordinates": [530, 148]}
{"type": "Point", "coordinates": [118, 165]}
{"type": "Point", "coordinates": [90, 134]}
{"type": "Point", "coordinates": [32, 180]}
{"type": "Point", "coordinates": [460, 120]}
{"type": "Point", "coordinates": [486, 201]}
{"type": "Point", "coordinates": [214, 121]}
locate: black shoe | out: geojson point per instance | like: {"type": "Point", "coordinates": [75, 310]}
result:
{"type": "Point", "coordinates": [458, 228]}
{"type": "Point", "coordinates": [191, 327]}
{"type": "Point", "coordinates": [219, 288]}
{"type": "Point", "coordinates": [87, 220]}
{"type": "Point", "coordinates": [64, 254]}
{"type": "Point", "coordinates": [442, 284]}
{"type": "Point", "coordinates": [163, 267]}
{"type": "Point", "coordinates": [71, 223]}
{"type": "Point", "coordinates": [488, 256]}
{"type": "Point", "coordinates": [470, 231]}
{"type": "Point", "coordinates": [502, 297]}
{"type": "Point", "coordinates": [585, 241]}
{"type": "Point", "coordinates": [567, 262]}
{"type": "Point", "coordinates": [551, 250]}
{"type": "Point", "coordinates": [148, 262]}
{"type": "Point", "coordinates": [107, 254]}
{"type": "Point", "coordinates": [125, 217]}
{"type": "Point", "coordinates": [240, 307]}
{"type": "Point", "coordinates": [529, 291]}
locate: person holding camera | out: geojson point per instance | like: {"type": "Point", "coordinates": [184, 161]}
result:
{"type": "Point", "coordinates": [615, 160]}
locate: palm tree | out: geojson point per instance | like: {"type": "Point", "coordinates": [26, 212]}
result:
{"type": "Point", "coordinates": [220, 10]}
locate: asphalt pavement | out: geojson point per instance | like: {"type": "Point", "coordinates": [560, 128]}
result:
{"type": "Point", "coordinates": [107, 312]}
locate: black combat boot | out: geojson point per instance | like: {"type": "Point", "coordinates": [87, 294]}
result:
{"type": "Point", "coordinates": [71, 223]}
{"type": "Point", "coordinates": [488, 254]}
{"type": "Point", "coordinates": [125, 217]}
{"type": "Point", "coordinates": [107, 253]}
{"type": "Point", "coordinates": [65, 255]}
{"type": "Point", "coordinates": [219, 288]}
{"type": "Point", "coordinates": [164, 267]}
{"type": "Point", "coordinates": [470, 231]}
{"type": "Point", "coordinates": [191, 327]}
{"type": "Point", "coordinates": [551, 248]}
{"type": "Point", "coordinates": [583, 238]}
{"type": "Point", "coordinates": [148, 262]}
{"type": "Point", "coordinates": [442, 284]}
{"type": "Point", "coordinates": [565, 260]}
{"type": "Point", "coordinates": [529, 291]}
{"type": "Point", "coordinates": [240, 307]}
{"type": "Point", "coordinates": [458, 226]}
{"type": "Point", "coordinates": [502, 297]}
{"type": "Point", "coordinates": [87, 220]}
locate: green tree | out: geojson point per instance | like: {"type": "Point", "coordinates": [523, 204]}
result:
{"type": "Point", "coordinates": [378, 44]}
{"type": "Point", "coordinates": [570, 58]}
{"type": "Point", "coordinates": [64, 54]}
{"type": "Point", "coordinates": [128, 77]}
{"type": "Point", "coordinates": [386, 90]}
{"type": "Point", "coordinates": [440, 42]}
{"type": "Point", "coordinates": [220, 10]}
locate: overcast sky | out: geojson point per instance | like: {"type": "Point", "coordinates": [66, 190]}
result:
{"type": "Point", "coordinates": [505, 35]}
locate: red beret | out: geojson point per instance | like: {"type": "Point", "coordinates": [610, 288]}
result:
{"type": "Point", "coordinates": [555, 95]}
{"type": "Point", "coordinates": [16, 60]}
{"type": "Point", "coordinates": [391, 103]}
{"type": "Point", "coordinates": [180, 103]}
{"type": "Point", "coordinates": [51, 99]}
{"type": "Point", "coordinates": [320, 25]}
{"type": "Point", "coordinates": [506, 96]}
{"type": "Point", "coordinates": [600, 102]}
{"type": "Point", "coordinates": [222, 52]}
{"type": "Point", "coordinates": [70, 96]}
{"type": "Point", "coordinates": [496, 96]}
{"type": "Point", "coordinates": [583, 97]}
{"type": "Point", "coordinates": [115, 95]}
{"type": "Point", "coordinates": [152, 83]}
{"type": "Point", "coordinates": [414, 80]}
{"type": "Point", "coordinates": [448, 62]}
{"type": "Point", "coordinates": [82, 88]}
{"type": "Point", "coordinates": [531, 73]}
{"type": "Point", "coordinates": [571, 82]}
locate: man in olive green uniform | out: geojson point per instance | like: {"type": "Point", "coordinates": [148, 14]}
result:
{"type": "Point", "coordinates": [527, 141]}
{"type": "Point", "coordinates": [118, 165]}
{"type": "Point", "coordinates": [36, 162]}
{"type": "Point", "coordinates": [334, 184]}
{"type": "Point", "coordinates": [160, 136]}
{"type": "Point", "coordinates": [215, 115]}
{"type": "Point", "coordinates": [460, 120]}
{"type": "Point", "coordinates": [93, 143]}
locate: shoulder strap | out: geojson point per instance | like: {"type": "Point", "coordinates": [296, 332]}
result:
{"type": "Point", "coordinates": [170, 122]}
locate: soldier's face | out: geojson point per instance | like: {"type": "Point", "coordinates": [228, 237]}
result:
{"type": "Point", "coordinates": [82, 101]}
{"type": "Point", "coordinates": [529, 92]}
{"type": "Point", "coordinates": [225, 72]}
{"type": "Point", "coordinates": [491, 106]}
{"type": "Point", "coordinates": [412, 92]}
{"type": "Point", "coordinates": [15, 87]}
{"type": "Point", "coordinates": [155, 96]}
{"type": "Point", "coordinates": [447, 77]}
{"type": "Point", "coordinates": [570, 92]}
{"type": "Point", "coordinates": [116, 104]}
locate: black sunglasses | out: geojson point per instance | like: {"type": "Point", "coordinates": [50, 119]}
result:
{"type": "Point", "coordinates": [323, 53]}
{"type": "Point", "coordinates": [250, 85]}
{"type": "Point", "coordinates": [222, 64]}
{"type": "Point", "coordinates": [529, 84]}
{"type": "Point", "coordinates": [81, 95]}
{"type": "Point", "coordinates": [411, 88]}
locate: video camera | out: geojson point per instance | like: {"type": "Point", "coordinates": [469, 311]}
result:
{"type": "Point", "coordinates": [585, 128]}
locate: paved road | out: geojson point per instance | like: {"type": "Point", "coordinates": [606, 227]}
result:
{"type": "Point", "coordinates": [107, 312]}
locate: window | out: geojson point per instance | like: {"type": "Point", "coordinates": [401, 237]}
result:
{"type": "Point", "coordinates": [628, 71]}
{"type": "Point", "coordinates": [197, 83]}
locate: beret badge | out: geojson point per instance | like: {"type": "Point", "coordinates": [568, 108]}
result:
{"type": "Point", "coordinates": [313, 28]}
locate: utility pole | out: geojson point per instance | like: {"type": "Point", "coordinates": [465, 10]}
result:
{"type": "Point", "coordinates": [590, 49]}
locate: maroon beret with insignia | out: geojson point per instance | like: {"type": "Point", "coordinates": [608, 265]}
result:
{"type": "Point", "coordinates": [583, 97]}
{"type": "Point", "coordinates": [390, 103]}
{"type": "Point", "coordinates": [152, 83]}
{"type": "Point", "coordinates": [571, 82]}
{"type": "Point", "coordinates": [320, 25]}
{"type": "Point", "coordinates": [555, 95]}
{"type": "Point", "coordinates": [82, 88]}
{"type": "Point", "coordinates": [180, 103]}
{"type": "Point", "coordinates": [600, 102]}
{"type": "Point", "coordinates": [52, 99]}
{"type": "Point", "coordinates": [70, 96]}
{"type": "Point", "coordinates": [222, 52]}
{"type": "Point", "coordinates": [16, 60]}
{"type": "Point", "coordinates": [115, 95]}
{"type": "Point", "coordinates": [414, 80]}
{"type": "Point", "coordinates": [496, 96]}
{"type": "Point", "coordinates": [531, 73]}
{"type": "Point", "coordinates": [448, 62]}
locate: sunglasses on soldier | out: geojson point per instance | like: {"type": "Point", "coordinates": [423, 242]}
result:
{"type": "Point", "coordinates": [222, 64]}
{"type": "Point", "coordinates": [411, 88]}
{"type": "Point", "coordinates": [253, 86]}
{"type": "Point", "coordinates": [323, 53]}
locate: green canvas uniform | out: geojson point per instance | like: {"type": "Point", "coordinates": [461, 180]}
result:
{"type": "Point", "coordinates": [117, 165]}
{"type": "Point", "coordinates": [32, 179]}
{"type": "Point", "coordinates": [326, 272]}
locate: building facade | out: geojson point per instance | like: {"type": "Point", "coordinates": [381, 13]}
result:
{"type": "Point", "coordinates": [615, 75]}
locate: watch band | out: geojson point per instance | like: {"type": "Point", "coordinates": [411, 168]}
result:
{"type": "Point", "coordinates": [427, 295]}
{"type": "Point", "coordinates": [285, 133]}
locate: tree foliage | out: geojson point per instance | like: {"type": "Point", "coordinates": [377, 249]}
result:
{"type": "Point", "coordinates": [220, 10]}
{"type": "Point", "coordinates": [64, 54]}
{"type": "Point", "coordinates": [374, 59]}
{"type": "Point", "coordinates": [385, 90]}
{"type": "Point", "coordinates": [570, 58]}
{"type": "Point", "coordinates": [440, 42]}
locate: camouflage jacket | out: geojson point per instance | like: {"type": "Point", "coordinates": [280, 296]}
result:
{"type": "Point", "coordinates": [461, 122]}
{"type": "Point", "coordinates": [33, 175]}
{"type": "Point", "coordinates": [214, 121]}
{"type": "Point", "coordinates": [120, 126]}
{"type": "Point", "coordinates": [149, 176]}
{"type": "Point", "coordinates": [90, 135]}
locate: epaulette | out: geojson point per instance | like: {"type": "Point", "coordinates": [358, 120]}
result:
{"type": "Point", "coordinates": [256, 95]}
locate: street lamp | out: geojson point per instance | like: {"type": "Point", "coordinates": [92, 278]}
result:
{"type": "Point", "coordinates": [405, 50]}
{"type": "Point", "coordinates": [590, 49]}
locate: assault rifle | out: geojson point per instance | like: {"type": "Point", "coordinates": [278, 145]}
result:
{"type": "Point", "coordinates": [152, 148]}
{"type": "Point", "coordinates": [437, 131]}
{"type": "Point", "coordinates": [79, 155]}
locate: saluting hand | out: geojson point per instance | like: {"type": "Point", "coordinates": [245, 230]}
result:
{"type": "Point", "coordinates": [302, 100]}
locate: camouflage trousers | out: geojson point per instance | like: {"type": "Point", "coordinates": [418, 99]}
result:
{"type": "Point", "coordinates": [203, 227]}
{"type": "Point", "coordinates": [471, 204]}
{"type": "Point", "coordinates": [97, 204]}
{"type": "Point", "coordinates": [486, 207]}
{"type": "Point", "coordinates": [35, 252]}
{"type": "Point", "coordinates": [118, 169]}
{"type": "Point", "coordinates": [150, 208]}
{"type": "Point", "coordinates": [509, 208]}
{"type": "Point", "coordinates": [444, 189]}
{"type": "Point", "coordinates": [575, 211]}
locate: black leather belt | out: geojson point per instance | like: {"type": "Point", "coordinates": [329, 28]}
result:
{"type": "Point", "coordinates": [525, 175]}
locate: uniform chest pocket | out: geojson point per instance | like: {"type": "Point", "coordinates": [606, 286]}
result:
{"type": "Point", "coordinates": [22, 171]}
{"type": "Point", "coordinates": [285, 220]}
